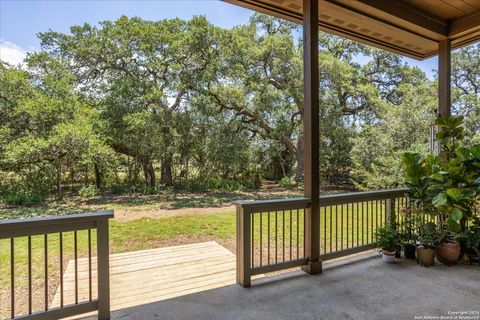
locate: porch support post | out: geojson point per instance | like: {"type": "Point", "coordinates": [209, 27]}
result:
{"type": "Point", "coordinates": [444, 72]}
{"type": "Point", "coordinates": [311, 135]}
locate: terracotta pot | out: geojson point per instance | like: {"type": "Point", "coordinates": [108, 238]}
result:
{"type": "Point", "coordinates": [425, 256]}
{"type": "Point", "coordinates": [448, 253]}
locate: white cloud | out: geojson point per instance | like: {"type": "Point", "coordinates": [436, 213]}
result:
{"type": "Point", "coordinates": [11, 53]}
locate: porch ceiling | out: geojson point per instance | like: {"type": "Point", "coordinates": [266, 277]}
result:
{"type": "Point", "coordinates": [409, 27]}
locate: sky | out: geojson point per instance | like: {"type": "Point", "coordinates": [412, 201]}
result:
{"type": "Point", "coordinates": [21, 20]}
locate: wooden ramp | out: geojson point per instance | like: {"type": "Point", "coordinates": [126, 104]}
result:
{"type": "Point", "coordinates": [141, 277]}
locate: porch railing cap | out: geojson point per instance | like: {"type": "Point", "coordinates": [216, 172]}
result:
{"type": "Point", "coordinates": [263, 203]}
{"type": "Point", "coordinates": [42, 221]}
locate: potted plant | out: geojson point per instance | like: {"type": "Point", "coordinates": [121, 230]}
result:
{"type": "Point", "coordinates": [446, 185]}
{"type": "Point", "coordinates": [408, 235]}
{"type": "Point", "coordinates": [472, 239]}
{"type": "Point", "coordinates": [428, 239]}
{"type": "Point", "coordinates": [455, 183]}
{"type": "Point", "coordinates": [387, 241]}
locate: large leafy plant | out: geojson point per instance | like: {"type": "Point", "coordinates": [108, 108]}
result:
{"type": "Point", "coordinates": [447, 184]}
{"type": "Point", "coordinates": [472, 235]}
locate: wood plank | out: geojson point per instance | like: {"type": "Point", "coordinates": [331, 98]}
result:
{"type": "Point", "coordinates": [151, 275]}
{"type": "Point", "coordinates": [127, 260]}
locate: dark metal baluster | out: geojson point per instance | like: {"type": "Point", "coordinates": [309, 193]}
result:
{"type": "Point", "coordinates": [376, 218]}
{"type": "Point", "coordinates": [353, 224]}
{"type": "Point", "coordinates": [331, 229]}
{"type": "Point", "coordinates": [304, 228]}
{"type": "Point", "coordinates": [382, 210]}
{"type": "Point", "coordinates": [324, 229]}
{"type": "Point", "coordinates": [371, 221]}
{"type": "Point", "coordinates": [268, 240]}
{"type": "Point", "coordinates": [363, 223]}
{"type": "Point", "coordinates": [276, 236]}
{"type": "Point", "coordinates": [12, 277]}
{"type": "Point", "coordinates": [341, 230]}
{"type": "Point", "coordinates": [336, 227]}
{"type": "Point", "coordinates": [45, 254]}
{"type": "Point", "coordinates": [253, 239]}
{"type": "Point", "coordinates": [261, 238]}
{"type": "Point", "coordinates": [298, 234]}
{"type": "Point", "coordinates": [283, 236]}
{"type": "Point", "coordinates": [348, 226]}
{"type": "Point", "coordinates": [291, 226]}
{"type": "Point", "coordinates": [398, 216]}
{"type": "Point", "coordinates": [368, 230]}
{"type": "Point", "coordinates": [89, 264]}
{"type": "Point", "coordinates": [358, 214]}
{"type": "Point", "coordinates": [29, 275]}
{"type": "Point", "coordinates": [75, 248]}
{"type": "Point", "coordinates": [61, 269]}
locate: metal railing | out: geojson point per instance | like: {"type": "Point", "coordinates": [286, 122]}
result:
{"type": "Point", "coordinates": [270, 236]}
{"type": "Point", "coordinates": [50, 234]}
{"type": "Point", "coordinates": [349, 221]}
{"type": "Point", "coordinates": [271, 233]}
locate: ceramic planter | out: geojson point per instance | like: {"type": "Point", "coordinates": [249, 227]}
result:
{"type": "Point", "coordinates": [425, 256]}
{"type": "Point", "coordinates": [388, 256]}
{"type": "Point", "coordinates": [448, 253]}
{"type": "Point", "coordinates": [409, 250]}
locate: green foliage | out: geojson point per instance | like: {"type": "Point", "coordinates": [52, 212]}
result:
{"type": "Point", "coordinates": [472, 235]}
{"type": "Point", "coordinates": [409, 226]}
{"type": "Point", "coordinates": [445, 185]}
{"type": "Point", "coordinates": [89, 191]}
{"type": "Point", "coordinates": [401, 127]}
{"type": "Point", "coordinates": [430, 235]}
{"type": "Point", "coordinates": [139, 106]}
{"type": "Point", "coordinates": [22, 196]}
{"type": "Point", "coordinates": [287, 183]}
{"type": "Point", "coordinates": [387, 237]}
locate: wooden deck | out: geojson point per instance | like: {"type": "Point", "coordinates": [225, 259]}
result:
{"type": "Point", "coordinates": [142, 277]}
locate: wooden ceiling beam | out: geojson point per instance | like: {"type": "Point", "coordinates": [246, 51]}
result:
{"type": "Point", "coordinates": [465, 23]}
{"type": "Point", "coordinates": [410, 14]}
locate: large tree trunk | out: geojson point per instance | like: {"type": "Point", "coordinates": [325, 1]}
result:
{"type": "Point", "coordinates": [59, 180]}
{"type": "Point", "coordinates": [98, 176]}
{"type": "Point", "coordinates": [166, 176]}
{"type": "Point", "coordinates": [299, 157]}
{"type": "Point", "coordinates": [149, 173]}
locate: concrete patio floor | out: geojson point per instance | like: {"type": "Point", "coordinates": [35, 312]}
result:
{"type": "Point", "coordinates": [360, 287]}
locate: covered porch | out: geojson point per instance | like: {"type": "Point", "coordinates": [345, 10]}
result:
{"type": "Point", "coordinates": [310, 233]}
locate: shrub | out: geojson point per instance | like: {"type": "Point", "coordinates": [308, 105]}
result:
{"type": "Point", "coordinates": [89, 191]}
{"type": "Point", "coordinates": [16, 191]}
{"type": "Point", "coordinates": [287, 183]}
{"type": "Point", "coordinates": [22, 197]}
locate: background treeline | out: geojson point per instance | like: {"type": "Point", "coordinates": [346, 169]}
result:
{"type": "Point", "coordinates": [139, 106]}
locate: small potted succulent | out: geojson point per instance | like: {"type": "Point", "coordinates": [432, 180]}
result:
{"type": "Point", "coordinates": [428, 239]}
{"type": "Point", "coordinates": [387, 241]}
